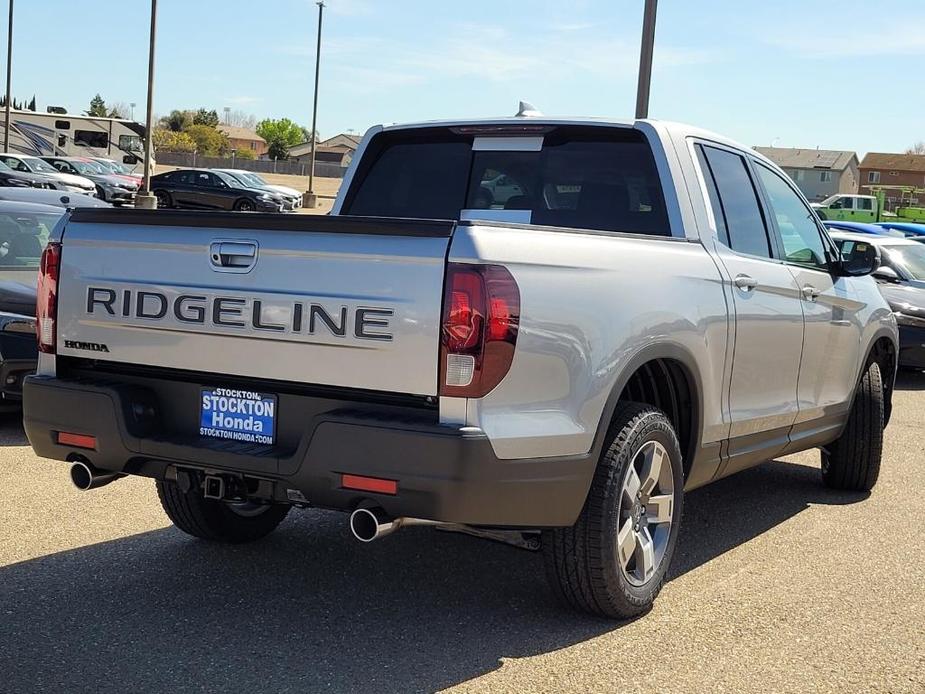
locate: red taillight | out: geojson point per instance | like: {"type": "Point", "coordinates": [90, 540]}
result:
{"type": "Point", "coordinates": [481, 314]}
{"type": "Point", "coordinates": [46, 306]}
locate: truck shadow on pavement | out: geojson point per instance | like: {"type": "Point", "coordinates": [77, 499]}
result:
{"type": "Point", "coordinates": [908, 379]}
{"type": "Point", "coordinates": [309, 609]}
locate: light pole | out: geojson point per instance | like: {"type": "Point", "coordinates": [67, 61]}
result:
{"type": "Point", "coordinates": [645, 59]}
{"type": "Point", "coordinates": [132, 105]}
{"type": "Point", "coordinates": [227, 110]}
{"type": "Point", "coordinates": [311, 200]}
{"type": "Point", "coordinates": [144, 199]}
{"type": "Point", "coordinates": [9, 74]}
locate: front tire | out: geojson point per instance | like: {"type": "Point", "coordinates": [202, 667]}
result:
{"type": "Point", "coordinates": [852, 461]}
{"type": "Point", "coordinates": [218, 521]}
{"type": "Point", "coordinates": [613, 561]}
{"type": "Point", "coordinates": [244, 205]}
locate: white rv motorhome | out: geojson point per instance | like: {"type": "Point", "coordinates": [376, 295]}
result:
{"type": "Point", "coordinates": [66, 134]}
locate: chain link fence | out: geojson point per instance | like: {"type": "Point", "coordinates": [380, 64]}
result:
{"type": "Point", "coordinates": [289, 166]}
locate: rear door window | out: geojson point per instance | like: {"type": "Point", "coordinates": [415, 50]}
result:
{"type": "Point", "coordinates": [582, 178]}
{"type": "Point", "coordinates": [738, 205]}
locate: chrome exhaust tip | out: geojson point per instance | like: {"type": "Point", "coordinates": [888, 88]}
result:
{"type": "Point", "coordinates": [368, 524]}
{"type": "Point", "coordinates": [85, 477]}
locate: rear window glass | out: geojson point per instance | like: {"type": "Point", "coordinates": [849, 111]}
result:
{"type": "Point", "coordinates": [584, 178]}
{"type": "Point", "coordinates": [23, 236]}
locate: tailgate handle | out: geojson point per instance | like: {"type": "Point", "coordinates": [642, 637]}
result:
{"type": "Point", "coordinates": [233, 255]}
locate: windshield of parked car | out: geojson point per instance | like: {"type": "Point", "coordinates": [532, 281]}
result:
{"type": "Point", "coordinates": [23, 236]}
{"type": "Point", "coordinates": [37, 164]}
{"type": "Point", "coordinates": [829, 200]}
{"type": "Point", "coordinates": [254, 179]}
{"type": "Point", "coordinates": [910, 258]}
{"type": "Point", "coordinates": [87, 169]}
{"type": "Point", "coordinates": [228, 179]}
{"type": "Point", "coordinates": [106, 166]}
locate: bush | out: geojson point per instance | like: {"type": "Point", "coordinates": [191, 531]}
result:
{"type": "Point", "coordinates": [245, 154]}
{"type": "Point", "coordinates": [209, 141]}
{"type": "Point", "coordinates": [169, 141]}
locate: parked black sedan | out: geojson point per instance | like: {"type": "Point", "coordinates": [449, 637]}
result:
{"type": "Point", "coordinates": [210, 190]}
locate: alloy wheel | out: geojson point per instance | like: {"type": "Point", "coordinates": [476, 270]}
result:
{"type": "Point", "coordinates": [646, 513]}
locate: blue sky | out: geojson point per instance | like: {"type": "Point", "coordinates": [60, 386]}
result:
{"type": "Point", "coordinates": [838, 75]}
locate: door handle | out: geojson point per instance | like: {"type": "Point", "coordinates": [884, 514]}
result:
{"type": "Point", "coordinates": [233, 256]}
{"type": "Point", "coordinates": [745, 282]}
{"type": "Point", "coordinates": [810, 293]}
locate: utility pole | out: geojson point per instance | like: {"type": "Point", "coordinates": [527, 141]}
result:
{"type": "Point", "coordinates": [144, 199]}
{"type": "Point", "coordinates": [9, 75]}
{"type": "Point", "coordinates": [311, 200]}
{"type": "Point", "coordinates": [645, 59]}
{"type": "Point", "coordinates": [133, 105]}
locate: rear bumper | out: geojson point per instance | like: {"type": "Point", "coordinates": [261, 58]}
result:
{"type": "Point", "coordinates": [443, 473]}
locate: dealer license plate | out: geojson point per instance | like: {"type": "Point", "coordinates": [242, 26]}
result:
{"type": "Point", "coordinates": [237, 415]}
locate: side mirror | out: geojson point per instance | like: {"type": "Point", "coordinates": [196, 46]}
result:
{"type": "Point", "coordinates": [886, 274]}
{"type": "Point", "coordinates": [859, 259]}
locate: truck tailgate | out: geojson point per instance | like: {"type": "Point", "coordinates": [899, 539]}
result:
{"type": "Point", "coordinates": [341, 301]}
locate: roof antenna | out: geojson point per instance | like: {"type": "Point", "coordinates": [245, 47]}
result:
{"type": "Point", "coordinates": [527, 110]}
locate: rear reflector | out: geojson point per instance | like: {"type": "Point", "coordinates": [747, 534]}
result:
{"type": "Point", "coordinates": [369, 484]}
{"type": "Point", "coordinates": [76, 440]}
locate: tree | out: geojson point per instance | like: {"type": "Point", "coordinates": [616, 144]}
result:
{"type": "Point", "coordinates": [307, 135]}
{"type": "Point", "coordinates": [917, 148]}
{"type": "Point", "coordinates": [31, 105]}
{"type": "Point", "coordinates": [280, 136]}
{"type": "Point", "coordinates": [203, 117]}
{"type": "Point", "coordinates": [166, 140]}
{"type": "Point", "coordinates": [120, 109]}
{"type": "Point", "coordinates": [209, 141]}
{"type": "Point", "coordinates": [177, 120]}
{"type": "Point", "coordinates": [97, 108]}
{"type": "Point", "coordinates": [241, 119]}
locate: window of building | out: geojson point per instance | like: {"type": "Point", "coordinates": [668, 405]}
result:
{"type": "Point", "coordinates": [62, 125]}
{"type": "Point", "coordinates": [736, 206]}
{"type": "Point", "coordinates": [894, 173]}
{"type": "Point", "coordinates": [798, 175]}
{"type": "Point", "coordinates": [873, 177]}
{"type": "Point", "coordinates": [825, 176]}
{"type": "Point", "coordinates": [91, 138]}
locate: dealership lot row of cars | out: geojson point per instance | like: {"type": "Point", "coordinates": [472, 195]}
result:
{"type": "Point", "coordinates": [112, 182]}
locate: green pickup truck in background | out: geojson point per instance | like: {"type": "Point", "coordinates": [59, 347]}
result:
{"type": "Point", "coordinates": [871, 208]}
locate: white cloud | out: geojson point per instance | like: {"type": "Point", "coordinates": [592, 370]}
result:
{"type": "Point", "coordinates": [242, 100]}
{"type": "Point", "coordinates": [489, 53]}
{"type": "Point", "coordinates": [831, 42]}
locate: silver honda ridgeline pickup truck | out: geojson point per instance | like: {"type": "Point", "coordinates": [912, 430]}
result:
{"type": "Point", "coordinates": [524, 324]}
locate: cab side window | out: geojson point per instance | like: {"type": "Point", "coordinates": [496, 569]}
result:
{"type": "Point", "coordinates": [734, 201]}
{"type": "Point", "coordinates": [803, 244]}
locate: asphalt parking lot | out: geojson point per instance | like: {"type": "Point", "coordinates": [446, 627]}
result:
{"type": "Point", "coordinates": [779, 585]}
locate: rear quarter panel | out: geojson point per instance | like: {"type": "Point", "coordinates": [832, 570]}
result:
{"type": "Point", "coordinates": [590, 303]}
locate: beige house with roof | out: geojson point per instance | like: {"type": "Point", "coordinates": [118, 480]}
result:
{"type": "Point", "coordinates": [242, 138]}
{"type": "Point", "coordinates": [819, 173]}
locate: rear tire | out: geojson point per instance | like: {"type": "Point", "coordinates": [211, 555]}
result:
{"type": "Point", "coordinates": [163, 199]}
{"type": "Point", "coordinates": [852, 462]}
{"type": "Point", "coordinates": [613, 561]}
{"type": "Point", "coordinates": [217, 521]}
